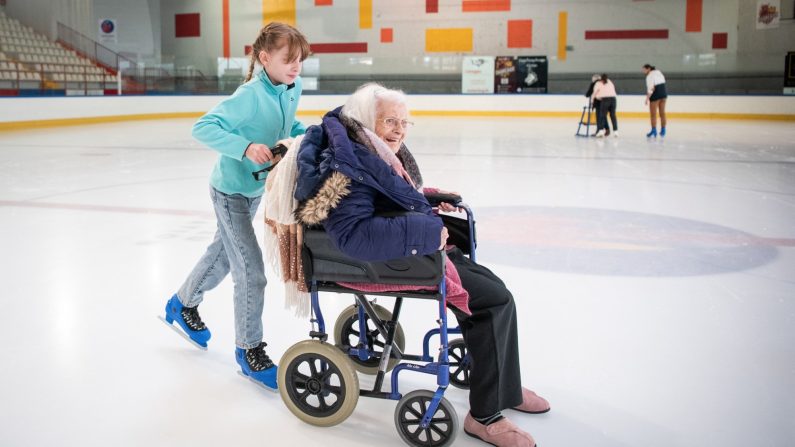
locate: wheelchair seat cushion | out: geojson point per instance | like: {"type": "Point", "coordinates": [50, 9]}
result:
{"type": "Point", "coordinates": [456, 295]}
{"type": "Point", "coordinates": [322, 261]}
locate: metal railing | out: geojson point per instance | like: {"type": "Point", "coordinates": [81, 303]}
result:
{"type": "Point", "coordinates": [91, 49]}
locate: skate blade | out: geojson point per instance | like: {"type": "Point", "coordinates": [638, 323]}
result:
{"type": "Point", "coordinates": [258, 383]}
{"type": "Point", "coordinates": [180, 332]}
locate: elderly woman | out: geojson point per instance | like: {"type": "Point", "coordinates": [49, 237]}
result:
{"type": "Point", "coordinates": [352, 169]}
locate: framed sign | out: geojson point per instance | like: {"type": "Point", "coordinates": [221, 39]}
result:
{"type": "Point", "coordinates": [521, 74]}
{"type": "Point", "coordinates": [107, 31]}
{"type": "Point", "coordinates": [477, 74]}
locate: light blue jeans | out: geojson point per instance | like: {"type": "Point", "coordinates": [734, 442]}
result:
{"type": "Point", "coordinates": [234, 248]}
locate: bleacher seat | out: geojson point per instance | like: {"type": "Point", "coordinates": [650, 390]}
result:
{"type": "Point", "coordinates": [30, 57]}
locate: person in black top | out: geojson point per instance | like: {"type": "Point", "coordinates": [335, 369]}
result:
{"type": "Point", "coordinates": [595, 104]}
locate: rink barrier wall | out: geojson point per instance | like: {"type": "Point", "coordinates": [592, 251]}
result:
{"type": "Point", "coordinates": [27, 113]}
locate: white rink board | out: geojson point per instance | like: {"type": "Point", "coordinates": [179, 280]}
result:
{"type": "Point", "coordinates": [30, 109]}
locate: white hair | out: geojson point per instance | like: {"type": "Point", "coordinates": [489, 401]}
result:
{"type": "Point", "coordinates": [363, 103]}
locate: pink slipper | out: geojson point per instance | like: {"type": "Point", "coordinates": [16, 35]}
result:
{"type": "Point", "coordinates": [502, 433]}
{"type": "Point", "coordinates": [532, 403]}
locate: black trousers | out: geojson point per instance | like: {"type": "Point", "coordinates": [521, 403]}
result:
{"type": "Point", "coordinates": [596, 104]}
{"type": "Point", "coordinates": [608, 105]}
{"type": "Point", "coordinates": [491, 338]}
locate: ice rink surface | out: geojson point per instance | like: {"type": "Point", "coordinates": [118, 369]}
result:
{"type": "Point", "coordinates": [655, 282]}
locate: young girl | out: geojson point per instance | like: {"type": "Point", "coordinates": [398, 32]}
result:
{"type": "Point", "coordinates": [241, 129]}
{"type": "Point", "coordinates": [656, 96]}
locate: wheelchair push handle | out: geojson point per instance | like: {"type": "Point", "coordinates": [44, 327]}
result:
{"type": "Point", "coordinates": [278, 150]}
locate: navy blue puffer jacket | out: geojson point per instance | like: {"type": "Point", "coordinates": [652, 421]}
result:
{"type": "Point", "coordinates": [357, 224]}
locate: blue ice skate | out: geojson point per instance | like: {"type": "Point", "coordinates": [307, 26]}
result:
{"type": "Point", "coordinates": [662, 132]}
{"type": "Point", "coordinates": [257, 366]}
{"type": "Point", "coordinates": [653, 133]}
{"type": "Point", "coordinates": [189, 323]}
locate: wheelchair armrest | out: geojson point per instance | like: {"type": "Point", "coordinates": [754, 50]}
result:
{"type": "Point", "coordinates": [322, 261]}
{"type": "Point", "coordinates": [435, 198]}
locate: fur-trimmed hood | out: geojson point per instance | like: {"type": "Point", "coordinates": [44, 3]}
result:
{"type": "Point", "coordinates": [315, 210]}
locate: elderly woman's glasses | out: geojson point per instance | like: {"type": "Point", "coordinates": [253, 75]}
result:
{"type": "Point", "coordinates": [394, 122]}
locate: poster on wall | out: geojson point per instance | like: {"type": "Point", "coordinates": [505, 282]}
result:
{"type": "Point", "coordinates": [504, 74]}
{"type": "Point", "coordinates": [789, 74]}
{"type": "Point", "coordinates": [477, 74]}
{"type": "Point", "coordinates": [768, 13]}
{"type": "Point", "coordinates": [522, 74]}
{"type": "Point", "coordinates": [532, 73]}
{"type": "Point", "coordinates": [107, 31]}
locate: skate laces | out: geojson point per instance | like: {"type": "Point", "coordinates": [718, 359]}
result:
{"type": "Point", "coordinates": [191, 317]}
{"type": "Point", "coordinates": [257, 359]}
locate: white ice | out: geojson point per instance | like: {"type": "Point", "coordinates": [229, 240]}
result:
{"type": "Point", "coordinates": [655, 282]}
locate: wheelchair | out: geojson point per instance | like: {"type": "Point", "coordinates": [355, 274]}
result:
{"type": "Point", "coordinates": [318, 380]}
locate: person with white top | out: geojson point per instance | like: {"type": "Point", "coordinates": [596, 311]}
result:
{"type": "Point", "coordinates": [604, 91]}
{"type": "Point", "coordinates": [656, 96]}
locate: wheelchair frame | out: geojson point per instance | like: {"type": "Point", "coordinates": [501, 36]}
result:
{"type": "Point", "coordinates": [440, 367]}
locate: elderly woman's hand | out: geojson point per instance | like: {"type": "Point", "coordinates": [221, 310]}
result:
{"type": "Point", "coordinates": [444, 206]}
{"type": "Point", "coordinates": [444, 238]}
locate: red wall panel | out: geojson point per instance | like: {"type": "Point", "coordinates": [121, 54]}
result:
{"type": "Point", "coordinates": [187, 25]}
{"type": "Point", "coordinates": [627, 34]}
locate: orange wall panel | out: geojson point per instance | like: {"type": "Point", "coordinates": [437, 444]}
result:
{"type": "Point", "coordinates": [225, 13]}
{"type": "Point", "coordinates": [520, 33]}
{"type": "Point", "coordinates": [386, 35]}
{"type": "Point", "coordinates": [485, 5]}
{"type": "Point", "coordinates": [695, 10]}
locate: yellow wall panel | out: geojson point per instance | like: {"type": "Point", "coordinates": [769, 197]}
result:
{"type": "Point", "coordinates": [365, 14]}
{"type": "Point", "coordinates": [278, 11]}
{"type": "Point", "coordinates": [441, 40]}
{"type": "Point", "coordinates": [563, 31]}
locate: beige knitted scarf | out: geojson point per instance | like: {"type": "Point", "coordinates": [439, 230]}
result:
{"type": "Point", "coordinates": [283, 235]}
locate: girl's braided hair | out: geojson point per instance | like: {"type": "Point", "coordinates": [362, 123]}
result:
{"type": "Point", "coordinates": [273, 36]}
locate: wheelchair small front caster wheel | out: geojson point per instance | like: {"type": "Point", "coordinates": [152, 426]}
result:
{"type": "Point", "coordinates": [460, 364]}
{"type": "Point", "coordinates": [346, 335]}
{"type": "Point", "coordinates": [317, 383]}
{"type": "Point", "coordinates": [408, 419]}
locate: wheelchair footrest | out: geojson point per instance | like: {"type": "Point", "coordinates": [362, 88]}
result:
{"type": "Point", "coordinates": [378, 394]}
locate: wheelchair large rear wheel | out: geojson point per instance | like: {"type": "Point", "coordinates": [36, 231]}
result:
{"type": "Point", "coordinates": [317, 383]}
{"type": "Point", "coordinates": [346, 335]}
{"type": "Point", "coordinates": [408, 417]}
{"type": "Point", "coordinates": [460, 363]}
